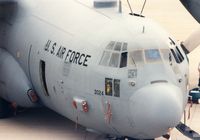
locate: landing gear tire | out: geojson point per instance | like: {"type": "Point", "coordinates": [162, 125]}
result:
{"type": "Point", "coordinates": [5, 109]}
{"type": "Point", "coordinates": [128, 138]}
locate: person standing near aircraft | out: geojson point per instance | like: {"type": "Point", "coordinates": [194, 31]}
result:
{"type": "Point", "coordinates": [199, 75]}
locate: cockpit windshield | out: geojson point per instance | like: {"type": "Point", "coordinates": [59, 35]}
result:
{"type": "Point", "coordinates": [117, 55]}
{"type": "Point", "coordinates": [152, 56]}
{"type": "Point", "coordinates": [138, 58]}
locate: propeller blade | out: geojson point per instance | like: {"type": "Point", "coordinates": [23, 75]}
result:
{"type": "Point", "coordinates": [193, 7]}
{"type": "Point", "coordinates": [192, 42]}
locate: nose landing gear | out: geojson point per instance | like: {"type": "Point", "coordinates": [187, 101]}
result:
{"type": "Point", "coordinates": [127, 138]}
{"type": "Point", "coordinates": [6, 109]}
{"type": "Point", "coordinates": [123, 138]}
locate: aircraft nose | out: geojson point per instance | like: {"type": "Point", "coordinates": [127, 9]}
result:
{"type": "Point", "coordinates": [156, 108]}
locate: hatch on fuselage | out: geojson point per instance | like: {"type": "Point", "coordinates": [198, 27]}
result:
{"type": "Point", "coordinates": [105, 3]}
{"type": "Point", "coordinates": [43, 77]}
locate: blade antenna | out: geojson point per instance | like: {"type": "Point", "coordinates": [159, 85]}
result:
{"type": "Point", "coordinates": [130, 7]}
{"type": "Point", "coordinates": [143, 7]}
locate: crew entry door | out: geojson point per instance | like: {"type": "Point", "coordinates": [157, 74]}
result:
{"type": "Point", "coordinates": [38, 71]}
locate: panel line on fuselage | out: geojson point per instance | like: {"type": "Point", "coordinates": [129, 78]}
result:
{"type": "Point", "coordinates": [51, 24]}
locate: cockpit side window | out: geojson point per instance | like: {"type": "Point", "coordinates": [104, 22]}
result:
{"type": "Point", "coordinates": [123, 62]}
{"type": "Point", "coordinates": [176, 52]}
{"type": "Point", "coordinates": [115, 55]}
{"type": "Point", "coordinates": [114, 60]}
{"type": "Point", "coordinates": [105, 58]}
{"type": "Point", "coordinates": [177, 55]}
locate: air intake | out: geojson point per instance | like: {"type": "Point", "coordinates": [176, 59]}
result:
{"type": "Point", "coordinates": [105, 3]}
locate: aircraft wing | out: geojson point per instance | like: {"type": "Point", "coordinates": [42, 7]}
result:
{"type": "Point", "coordinates": [193, 6]}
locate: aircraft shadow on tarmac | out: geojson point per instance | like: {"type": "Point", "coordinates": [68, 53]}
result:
{"type": "Point", "coordinates": [45, 124]}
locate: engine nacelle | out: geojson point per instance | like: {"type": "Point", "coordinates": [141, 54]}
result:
{"type": "Point", "coordinates": [14, 84]}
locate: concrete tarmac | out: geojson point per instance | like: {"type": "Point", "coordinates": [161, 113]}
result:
{"type": "Point", "coordinates": [44, 124]}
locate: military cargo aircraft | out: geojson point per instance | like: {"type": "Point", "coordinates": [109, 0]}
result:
{"type": "Point", "coordinates": [113, 72]}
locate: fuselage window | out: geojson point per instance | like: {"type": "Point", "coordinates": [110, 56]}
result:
{"type": "Point", "coordinates": [116, 88]}
{"type": "Point", "coordinates": [123, 62]}
{"type": "Point", "coordinates": [152, 55]}
{"type": "Point", "coordinates": [114, 61]}
{"type": "Point", "coordinates": [108, 86]}
{"type": "Point", "coordinates": [105, 58]}
{"type": "Point", "coordinates": [112, 87]}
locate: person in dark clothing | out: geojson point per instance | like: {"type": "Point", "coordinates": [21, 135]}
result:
{"type": "Point", "coordinates": [199, 83]}
{"type": "Point", "coordinates": [199, 75]}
